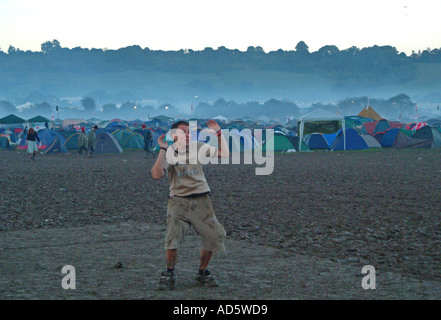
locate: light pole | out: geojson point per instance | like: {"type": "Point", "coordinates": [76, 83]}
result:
{"type": "Point", "coordinates": [193, 101]}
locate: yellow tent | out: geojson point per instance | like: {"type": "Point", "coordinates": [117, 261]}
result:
{"type": "Point", "coordinates": [369, 112]}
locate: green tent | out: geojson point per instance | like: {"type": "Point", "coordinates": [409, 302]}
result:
{"type": "Point", "coordinates": [354, 121]}
{"type": "Point", "coordinates": [38, 119]}
{"type": "Point", "coordinates": [71, 139]}
{"type": "Point", "coordinates": [129, 139]}
{"type": "Point", "coordinates": [283, 143]}
{"type": "Point", "coordinates": [162, 118]}
{"type": "Point", "coordinates": [12, 119]}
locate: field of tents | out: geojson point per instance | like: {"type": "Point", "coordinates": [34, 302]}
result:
{"type": "Point", "coordinates": [317, 220]}
{"type": "Point", "coordinates": [317, 130]}
{"type": "Point", "coordinates": [320, 216]}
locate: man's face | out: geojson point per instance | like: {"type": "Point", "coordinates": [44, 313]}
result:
{"type": "Point", "coordinates": [181, 134]}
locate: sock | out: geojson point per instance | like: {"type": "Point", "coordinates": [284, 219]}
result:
{"type": "Point", "coordinates": [205, 272]}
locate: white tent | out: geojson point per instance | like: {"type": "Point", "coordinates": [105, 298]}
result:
{"type": "Point", "coordinates": [221, 118]}
{"type": "Point", "coordinates": [320, 116]}
{"type": "Point", "coordinates": [264, 118]}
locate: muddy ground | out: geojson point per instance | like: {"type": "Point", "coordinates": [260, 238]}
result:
{"type": "Point", "coordinates": [303, 232]}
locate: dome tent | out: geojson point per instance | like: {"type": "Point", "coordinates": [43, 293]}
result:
{"type": "Point", "coordinates": [321, 121]}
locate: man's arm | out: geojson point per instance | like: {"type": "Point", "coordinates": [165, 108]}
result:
{"type": "Point", "coordinates": [158, 168]}
{"type": "Point", "coordinates": [223, 150]}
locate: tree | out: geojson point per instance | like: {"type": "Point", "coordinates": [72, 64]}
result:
{"type": "Point", "coordinates": [44, 109]}
{"type": "Point", "coordinates": [328, 50]}
{"type": "Point", "coordinates": [88, 104]}
{"type": "Point", "coordinates": [12, 50]}
{"type": "Point", "coordinates": [7, 108]}
{"type": "Point", "coordinates": [127, 109]}
{"type": "Point", "coordinates": [301, 47]}
{"type": "Point", "coordinates": [49, 46]}
{"type": "Point", "coordinates": [110, 109]}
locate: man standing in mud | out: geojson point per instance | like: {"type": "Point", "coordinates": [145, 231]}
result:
{"type": "Point", "coordinates": [92, 141]}
{"type": "Point", "coordinates": [189, 203]}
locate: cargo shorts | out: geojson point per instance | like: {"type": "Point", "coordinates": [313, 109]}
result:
{"type": "Point", "coordinates": [196, 212]}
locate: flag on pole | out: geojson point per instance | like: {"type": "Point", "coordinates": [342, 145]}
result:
{"type": "Point", "coordinates": [416, 108]}
{"type": "Point", "coordinates": [192, 107]}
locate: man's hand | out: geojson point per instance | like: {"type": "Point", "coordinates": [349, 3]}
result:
{"type": "Point", "coordinates": [161, 142]}
{"type": "Point", "coordinates": [213, 125]}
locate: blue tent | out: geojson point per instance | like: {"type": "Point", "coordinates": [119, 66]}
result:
{"type": "Point", "coordinates": [106, 143]}
{"type": "Point", "coordinates": [51, 141]}
{"type": "Point", "coordinates": [389, 137]}
{"type": "Point", "coordinates": [330, 137]}
{"type": "Point", "coordinates": [4, 142]}
{"type": "Point", "coordinates": [353, 141]}
{"type": "Point", "coordinates": [316, 141]}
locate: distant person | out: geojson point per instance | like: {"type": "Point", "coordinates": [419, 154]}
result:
{"type": "Point", "coordinates": [82, 141]}
{"type": "Point", "coordinates": [189, 203]}
{"type": "Point", "coordinates": [147, 140]}
{"type": "Point", "coordinates": [92, 141]}
{"type": "Point", "coordinates": [31, 144]}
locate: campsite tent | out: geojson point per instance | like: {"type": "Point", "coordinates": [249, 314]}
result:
{"type": "Point", "coordinates": [162, 118]}
{"type": "Point", "coordinates": [382, 125]}
{"type": "Point", "coordinates": [71, 139]}
{"type": "Point", "coordinates": [285, 143]}
{"type": "Point", "coordinates": [316, 141]}
{"type": "Point", "coordinates": [9, 134]}
{"type": "Point", "coordinates": [369, 112]}
{"type": "Point", "coordinates": [429, 133]}
{"type": "Point", "coordinates": [321, 121]}
{"type": "Point", "coordinates": [354, 141]}
{"type": "Point", "coordinates": [434, 122]}
{"type": "Point", "coordinates": [51, 142]}
{"type": "Point", "coordinates": [418, 126]}
{"type": "Point", "coordinates": [4, 142]}
{"type": "Point", "coordinates": [129, 139]}
{"type": "Point", "coordinates": [356, 121]}
{"type": "Point", "coordinates": [38, 119]}
{"type": "Point", "coordinates": [106, 143]}
{"type": "Point", "coordinates": [371, 142]}
{"type": "Point", "coordinates": [221, 118]}
{"type": "Point", "coordinates": [12, 119]}
{"type": "Point", "coordinates": [238, 141]}
{"type": "Point", "coordinates": [396, 138]}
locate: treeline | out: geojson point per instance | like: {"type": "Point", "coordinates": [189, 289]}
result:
{"type": "Point", "coordinates": [399, 106]}
{"type": "Point", "coordinates": [366, 66]}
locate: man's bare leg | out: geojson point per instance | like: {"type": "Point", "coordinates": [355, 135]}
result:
{"type": "Point", "coordinates": [205, 277]}
{"type": "Point", "coordinates": [168, 278]}
{"type": "Point", "coordinates": [171, 255]}
{"type": "Point", "coordinates": [205, 259]}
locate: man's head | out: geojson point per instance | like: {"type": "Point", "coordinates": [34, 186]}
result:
{"type": "Point", "coordinates": [180, 132]}
{"type": "Point", "coordinates": [95, 127]}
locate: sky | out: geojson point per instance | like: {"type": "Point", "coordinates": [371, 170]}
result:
{"type": "Point", "coordinates": [408, 25]}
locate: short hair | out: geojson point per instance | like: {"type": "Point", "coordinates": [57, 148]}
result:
{"type": "Point", "coordinates": [95, 127]}
{"type": "Point", "coordinates": [178, 123]}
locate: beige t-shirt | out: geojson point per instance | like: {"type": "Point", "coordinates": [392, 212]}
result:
{"type": "Point", "coordinates": [185, 178]}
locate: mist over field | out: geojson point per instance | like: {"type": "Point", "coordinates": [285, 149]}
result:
{"type": "Point", "coordinates": [137, 83]}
